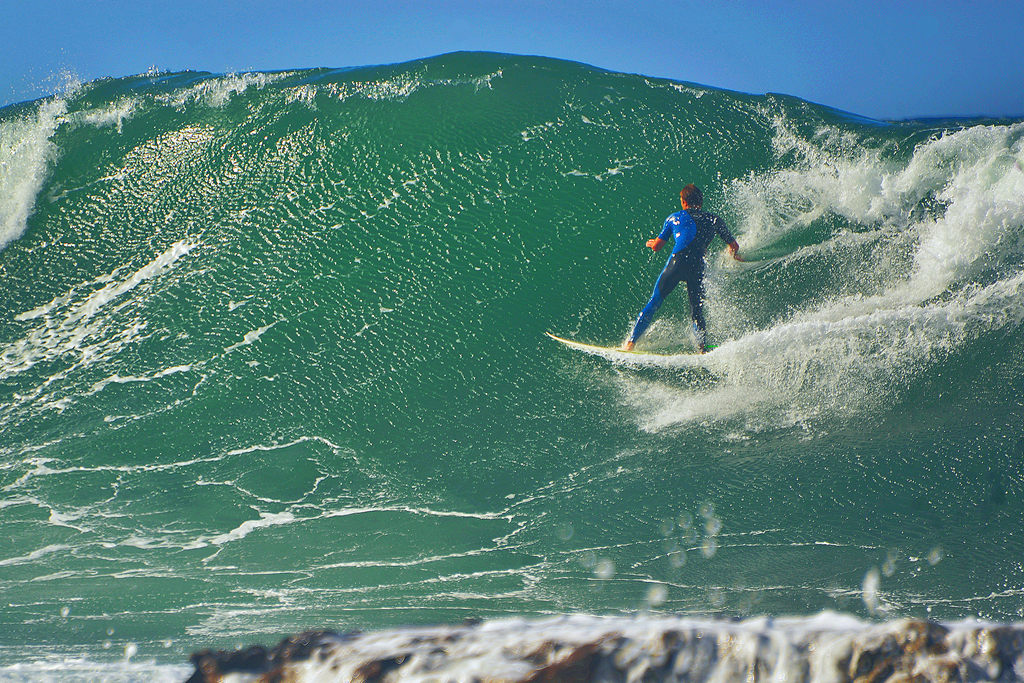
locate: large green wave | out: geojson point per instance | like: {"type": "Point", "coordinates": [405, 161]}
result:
{"type": "Point", "coordinates": [272, 355]}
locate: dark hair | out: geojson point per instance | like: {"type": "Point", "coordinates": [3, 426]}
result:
{"type": "Point", "coordinates": [693, 196]}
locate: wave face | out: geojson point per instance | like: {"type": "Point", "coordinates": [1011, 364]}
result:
{"type": "Point", "coordinates": [272, 357]}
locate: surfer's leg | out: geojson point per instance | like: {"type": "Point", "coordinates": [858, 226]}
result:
{"type": "Point", "coordinates": [695, 288]}
{"type": "Point", "coordinates": [646, 316]}
{"type": "Point", "coordinates": [667, 281]}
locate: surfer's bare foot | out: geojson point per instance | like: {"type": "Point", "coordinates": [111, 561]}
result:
{"type": "Point", "coordinates": [627, 345]}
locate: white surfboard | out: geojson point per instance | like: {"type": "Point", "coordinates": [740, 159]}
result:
{"type": "Point", "coordinates": [620, 354]}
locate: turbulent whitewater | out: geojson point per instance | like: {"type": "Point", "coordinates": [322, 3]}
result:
{"type": "Point", "coordinates": [272, 358]}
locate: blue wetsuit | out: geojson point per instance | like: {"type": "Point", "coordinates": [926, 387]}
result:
{"type": "Point", "coordinates": [692, 230]}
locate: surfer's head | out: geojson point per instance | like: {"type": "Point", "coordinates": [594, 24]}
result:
{"type": "Point", "coordinates": [691, 197]}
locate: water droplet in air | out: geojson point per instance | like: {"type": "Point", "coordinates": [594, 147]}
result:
{"type": "Point", "coordinates": [589, 560]}
{"type": "Point", "coordinates": [889, 566]}
{"type": "Point", "coordinates": [713, 526]}
{"type": "Point", "coordinates": [657, 594]}
{"type": "Point", "coordinates": [870, 589]}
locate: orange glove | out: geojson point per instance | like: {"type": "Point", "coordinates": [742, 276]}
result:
{"type": "Point", "coordinates": [656, 243]}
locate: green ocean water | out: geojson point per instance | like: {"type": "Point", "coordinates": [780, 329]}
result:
{"type": "Point", "coordinates": [272, 357]}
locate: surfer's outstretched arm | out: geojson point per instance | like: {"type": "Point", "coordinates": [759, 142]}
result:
{"type": "Point", "coordinates": [658, 242]}
{"type": "Point", "coordinates": [723, 231]}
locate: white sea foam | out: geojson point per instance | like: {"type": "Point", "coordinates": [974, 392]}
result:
{"type": "Point", "coordinates": [245, 528]}
{"type": "Point", "coordinates": [118, 379]}
{"type": "Point", "coordinates": [826, 647]}
{"type": "Point", "coordinates": [303, 439]}
{"type": "Point", "coordinates": [984, 217]}
{"type": "Point", "coordinates": [419, 511]}
{"type": "Point", "coordinates": [81, 327]}
{"type": "Point", "coordinates": [216, 92]}
{"type": "Point", "coordinates": [944, 275]}
{"type": "Point", "coordinates": [113, 288]}
{"type": "Point", "coordinates": [83, 670]}
{"type": "Point", "coordinates": [250, 337]}
{"type": "Point", "coordinates": [399, 87]}
{"type": "Point", "coordinates": [34, 555]}
{"type": "Point", "coordinates": [26, 150]}
{"type": "Point", "coordinates": [113, 115]}
{"type": "Point", "coordinates": [64, 326]}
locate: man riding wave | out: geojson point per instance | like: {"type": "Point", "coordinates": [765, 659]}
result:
{"type": "Point", "coordinates": [692, 229]}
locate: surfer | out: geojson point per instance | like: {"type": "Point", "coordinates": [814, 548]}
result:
{"type": "Point", "coordinates": [692, 229]}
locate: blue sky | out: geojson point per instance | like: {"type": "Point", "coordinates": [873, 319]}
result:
{"type": "Point", "coordinates": [880, 59]}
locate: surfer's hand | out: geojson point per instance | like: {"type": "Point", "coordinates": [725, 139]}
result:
{"type": "Point", "coordinates": [734, 251]}
{"type": "Point", "coordinates": [656, 243]}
